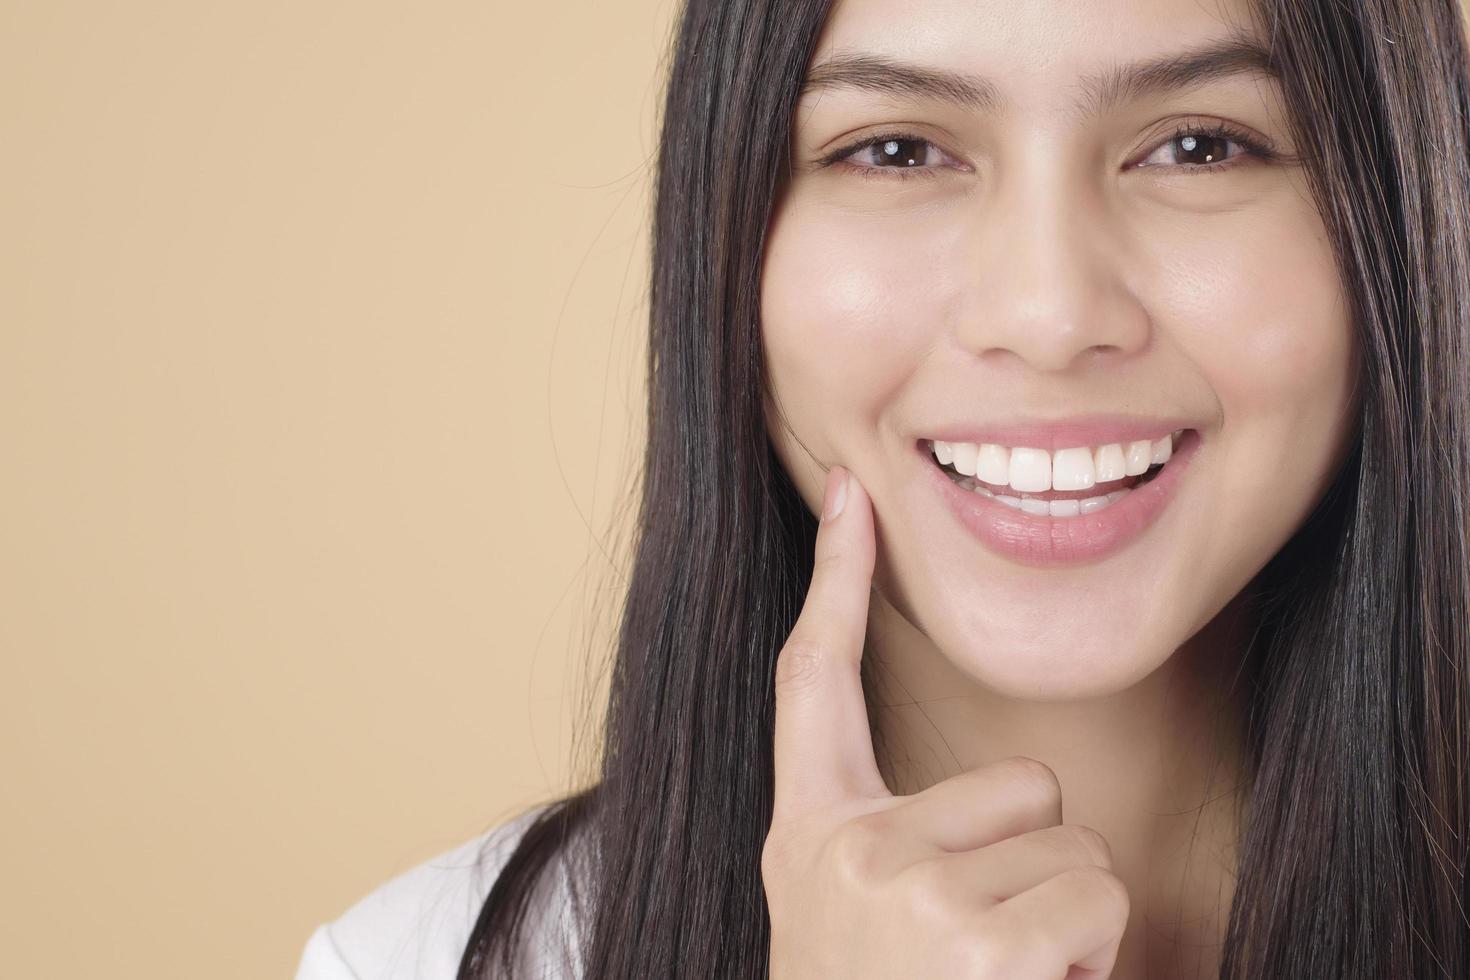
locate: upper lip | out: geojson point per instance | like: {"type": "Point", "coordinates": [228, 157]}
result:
{"type": "Point", "coordinates": [1054, 434]}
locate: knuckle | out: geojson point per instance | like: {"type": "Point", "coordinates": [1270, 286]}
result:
{"type": "Point", "coordinates": [1103, 885]}
{"type": "Point", "coordinates": [828, 559]}
{"type": "Point", "coordinates": [1094, 846]}
{"type": "Point", "coordinates": [933, 893]}
{"type": "Point", "coordinates": [1036, 776]}
{"type": "Point", "coordinates": [774, 858]}
{"type": "Point", "coordinates": [854, 852]}
{"type": "Point", "coordinates": [921, 887]}
{"type": "Point", "coordinates": [798, 664]}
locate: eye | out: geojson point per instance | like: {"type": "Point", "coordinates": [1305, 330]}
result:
{"type": "Point", "coordinates": [889, 155]}
{"type": "Point", "coordinates": [1194, 149]}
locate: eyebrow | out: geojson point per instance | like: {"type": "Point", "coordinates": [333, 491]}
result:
{"type": "Point", "coordinates": [1235, 54]}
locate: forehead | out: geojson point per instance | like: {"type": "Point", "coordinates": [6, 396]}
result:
{"type": "Point", "coordinates": [1034, 51]}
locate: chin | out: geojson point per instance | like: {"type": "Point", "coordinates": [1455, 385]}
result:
{"type": "Point", "coordinates": [1033, 637]}
{"type": "Point", "coordinates": [1023, 660]}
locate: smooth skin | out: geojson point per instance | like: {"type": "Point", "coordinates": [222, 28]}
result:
{"type": "Point", "coordinates": [975, 877]}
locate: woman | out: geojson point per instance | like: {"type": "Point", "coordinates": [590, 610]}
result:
{"type": "Point", "coordinates": [1125, 348]}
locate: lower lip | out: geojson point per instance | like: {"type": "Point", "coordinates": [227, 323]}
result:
{"type": "Point", "coordinates": [1044, 541]}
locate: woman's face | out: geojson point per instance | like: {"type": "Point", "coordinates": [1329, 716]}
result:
{"type": "Point", "coordinates": [1057, 255]}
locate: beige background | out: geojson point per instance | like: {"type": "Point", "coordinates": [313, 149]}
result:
{"type": "Point", "coordinates": [320, 376]}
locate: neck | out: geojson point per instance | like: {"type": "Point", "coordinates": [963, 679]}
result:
{"type": "Point", "coordinates": [1154, 768]}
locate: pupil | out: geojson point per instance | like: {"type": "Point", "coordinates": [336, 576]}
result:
{"type": "Point", "coordinates": [1207, 149]}
{"type": "Point", "coordinates": [900, 151]}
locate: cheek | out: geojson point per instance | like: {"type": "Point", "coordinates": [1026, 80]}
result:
{"type": "Point", "coordinates": [849, 305]}
{"type": "Point", "coordinates": [1269, 325]}
{"type": "Point", "coordinates": [1263, 318]}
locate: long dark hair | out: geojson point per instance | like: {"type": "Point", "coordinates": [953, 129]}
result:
{"type": "Point", "coordinates": [1352, 859]}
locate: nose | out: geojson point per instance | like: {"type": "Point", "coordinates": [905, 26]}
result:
{"type": "Point", "coordinates": [1048, 278]}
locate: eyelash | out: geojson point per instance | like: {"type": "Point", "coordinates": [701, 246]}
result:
{"type": "Point", "coordinates": [1262, 149]}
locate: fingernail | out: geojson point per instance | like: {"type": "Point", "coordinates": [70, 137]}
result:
{"type": "Point", "coordinates": [836, 495]}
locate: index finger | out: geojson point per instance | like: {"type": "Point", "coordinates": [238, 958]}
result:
{"type": "Point", "coordinates": [823, 747]}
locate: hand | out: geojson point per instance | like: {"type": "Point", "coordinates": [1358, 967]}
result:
{"type": "Point", "coordinates": [975, 877]}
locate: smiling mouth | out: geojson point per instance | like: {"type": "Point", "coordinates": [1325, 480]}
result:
{"type": "Point", "coordinates": [1027, 479]}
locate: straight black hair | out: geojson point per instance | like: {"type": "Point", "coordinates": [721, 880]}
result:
{"type": "Point", "coordinates": [1352, 860]}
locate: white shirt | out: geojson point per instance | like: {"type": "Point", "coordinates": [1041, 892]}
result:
{"type": "Point", "coordinates": [415, 926]}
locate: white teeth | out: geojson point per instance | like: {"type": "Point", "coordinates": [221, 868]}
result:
{"type": "Point", "coordinates": [1138, 456]}
{"type": "Point", "coordinates": [964, 457]}
{"type": "Point", "coordinates": [1073, 469]}
{"type": "Point", "coordinates": [1056, 508]}
{"type": "Point", "coordinates": [1030, 470]}
{"type": "Point", "coordinates": [1109, 463]}
{"type": "Point", "coordinates": [993, 464]}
